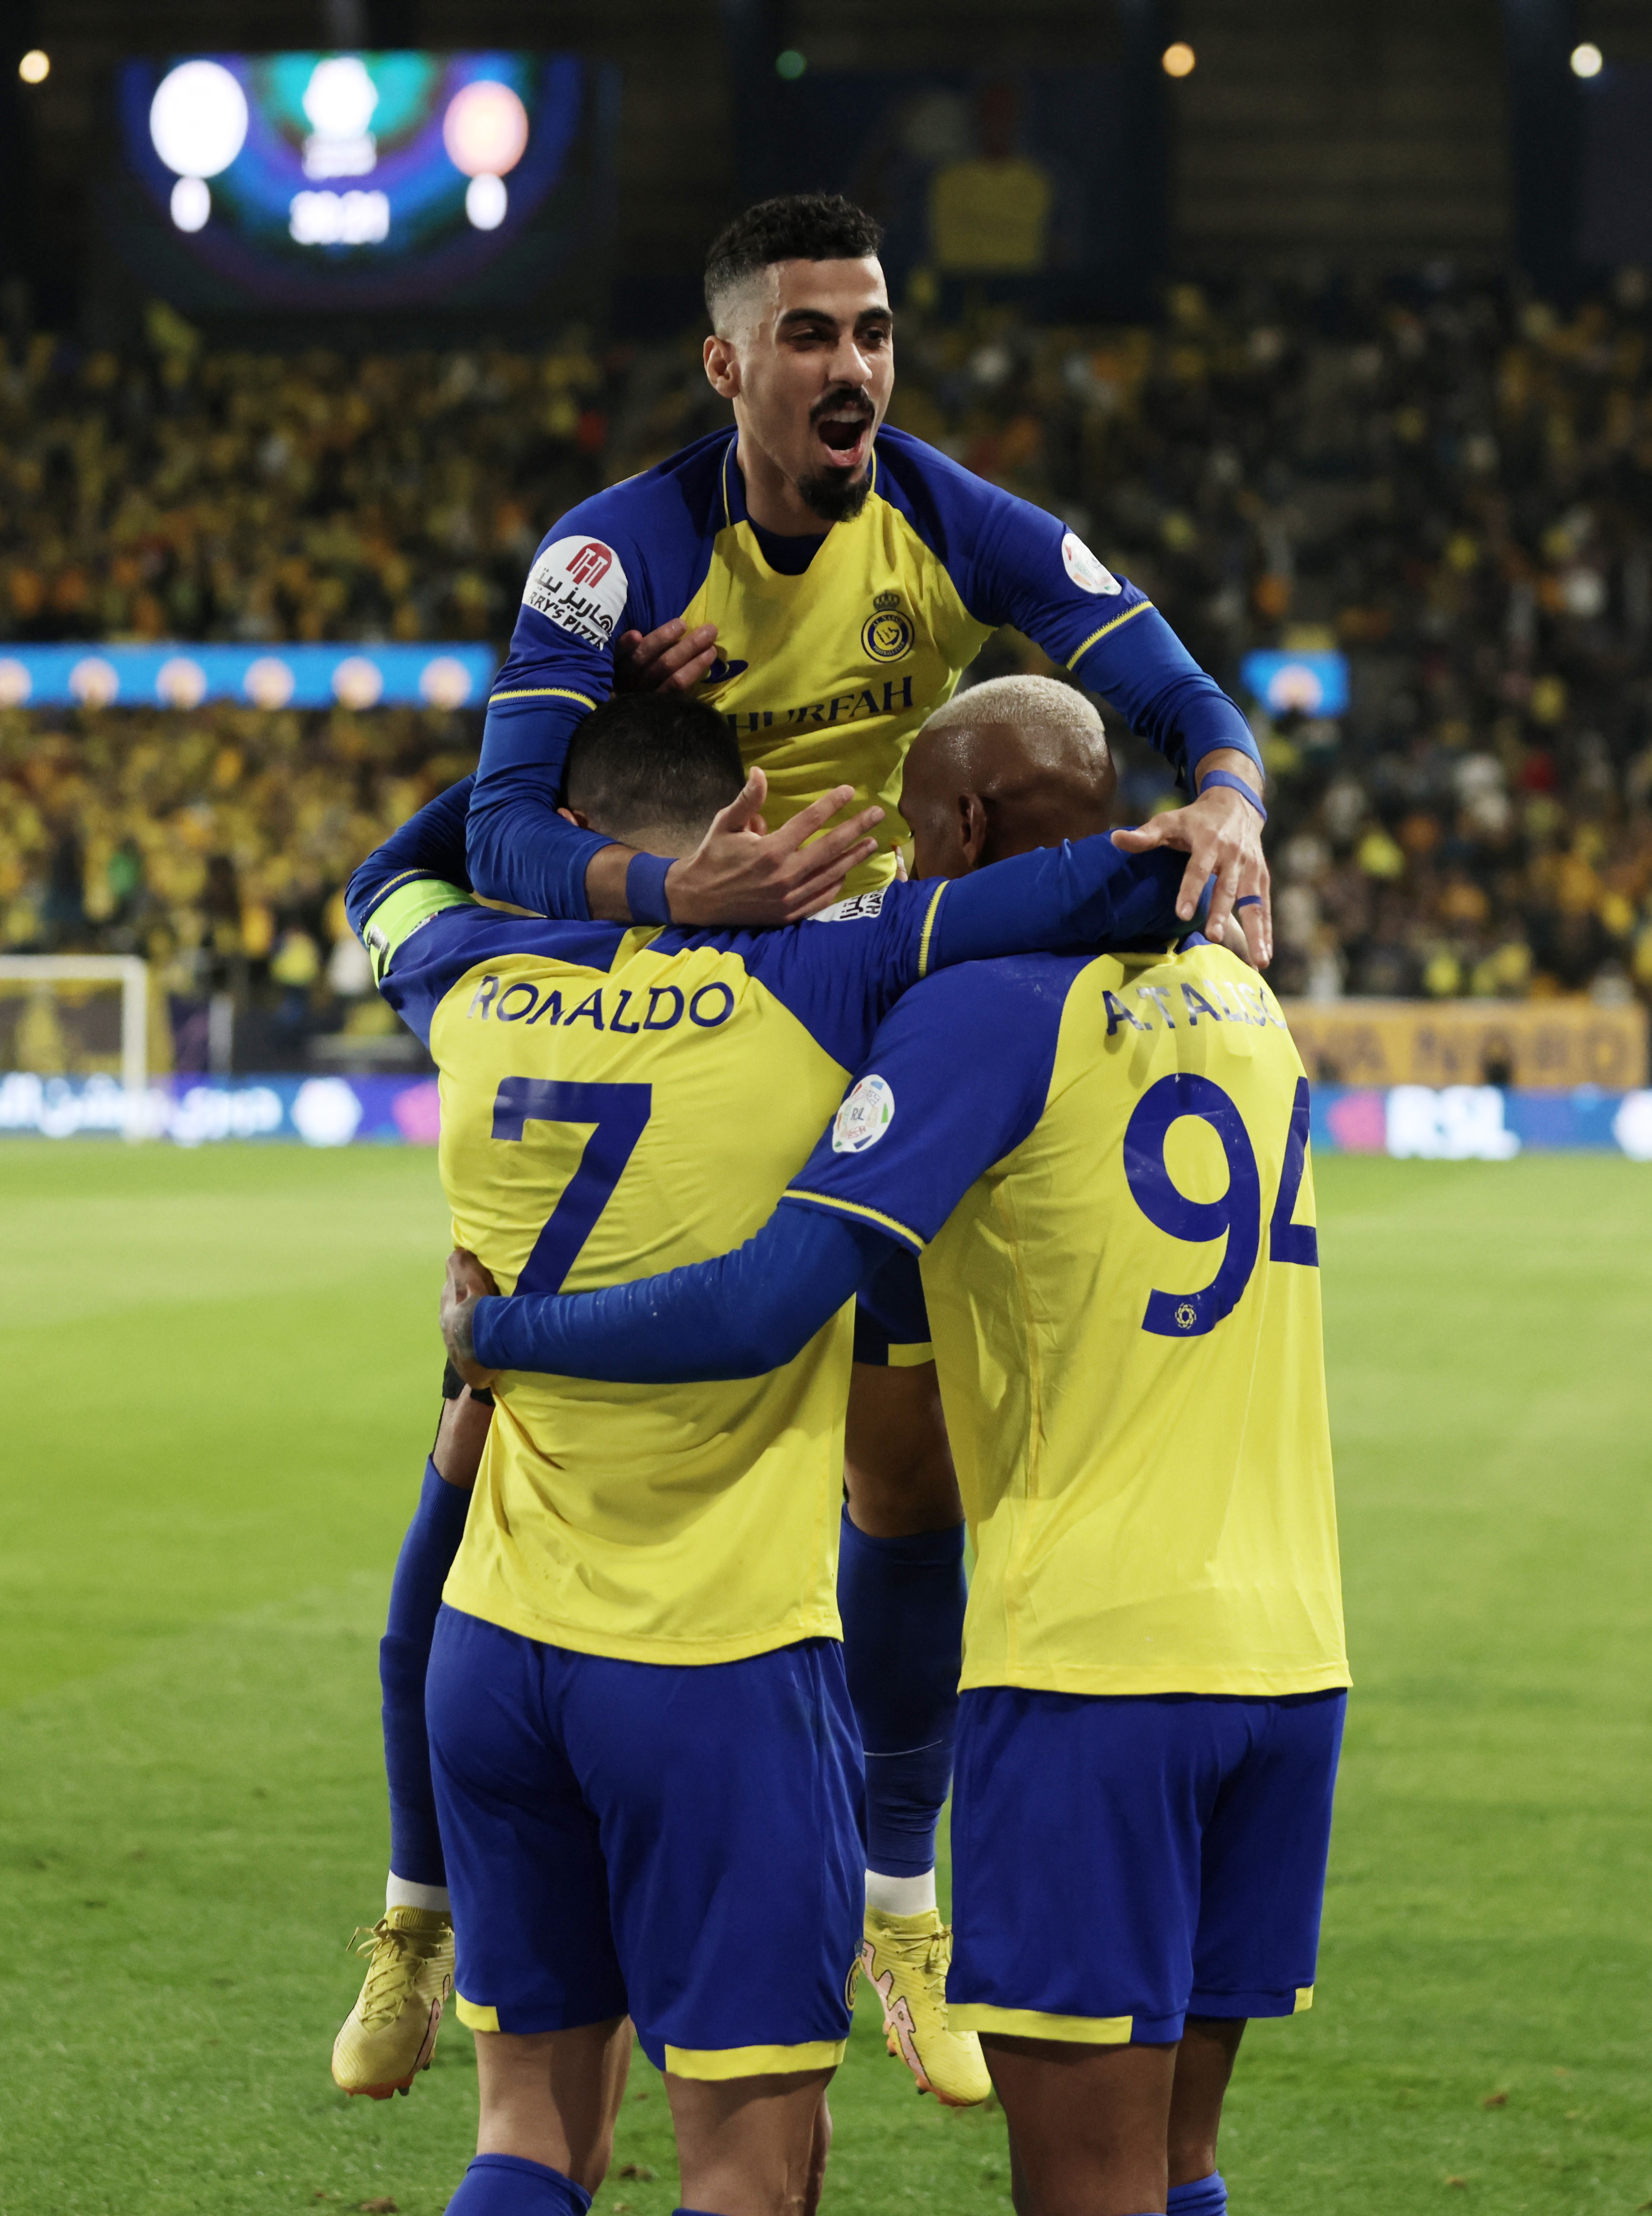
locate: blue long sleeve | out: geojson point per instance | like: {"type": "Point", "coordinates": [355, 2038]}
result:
{"type": "Point", "coordinates": [1012, 563]}
{"type": "Point", "coordinates": [740, 1315]}
{"type": "Point", "coordinates": [519, 848]}
{"type": "Point", "coordinates": [1084, 893]}
{"type": "Point", "coordinates": [429, 844]}
{"type": "Point", "coordinates": [1150, 677]}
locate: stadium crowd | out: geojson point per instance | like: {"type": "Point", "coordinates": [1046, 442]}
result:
{"type": "Point", "coordinates": [1452, 486]}
{"type": "Point", "coordinates": [1453, 490]}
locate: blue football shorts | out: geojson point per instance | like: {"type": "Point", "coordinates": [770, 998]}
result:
{"type": "Point", "coordinates": [1120, 1864]}
{"type": "Point", "coordinates": [682, 1845]}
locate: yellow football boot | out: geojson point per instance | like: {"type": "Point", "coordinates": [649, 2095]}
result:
{"type": "Point", "coordinates": [905, 1960]}
{"type": "Point", "coordinates": [389, 2034]}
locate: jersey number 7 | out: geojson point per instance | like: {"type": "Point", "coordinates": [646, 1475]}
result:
{"type": "Point", "coordinates": [619, 1114]}
{"type": "Point", "coordinates": [1237, 1213]}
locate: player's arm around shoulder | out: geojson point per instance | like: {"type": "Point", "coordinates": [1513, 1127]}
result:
{"type": "Point", "coordinates": [752, 1310]}
{"type": "Point", "coordinates": [427, 849]}
{"type": "Point", "coordinates": [587, 584]}
{"type": "Point", "coordinates": [955, 1077]}
{"type": "Point", "coordinates": [842, 970]}
{"type": "Point", "coordinates": [612, 576]}
{"type": "Point", "coordinates": [1012, 563]}
{"type": "Point", "coordinates": [410, 904]}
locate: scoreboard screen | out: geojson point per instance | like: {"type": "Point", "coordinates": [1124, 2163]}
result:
{"type": "Point", "coordinates": [355, 181]}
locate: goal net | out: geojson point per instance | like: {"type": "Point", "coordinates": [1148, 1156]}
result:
{"type": "Point", "coordinates": [75, 1016]}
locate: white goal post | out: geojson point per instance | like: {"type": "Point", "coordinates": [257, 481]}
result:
{"type": "Point", "coordinates": [129, 971]}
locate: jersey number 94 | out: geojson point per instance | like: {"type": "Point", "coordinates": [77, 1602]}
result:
{"type": "Point", "coordinates": [1238, 1212]}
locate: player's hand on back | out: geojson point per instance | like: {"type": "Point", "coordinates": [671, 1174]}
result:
{"type": "Point", "coordinates": [1231, 936]}
{"type": "Point", "coordinates": [742, 875]}
{"type": "Point", "coordinates": [466, 1282]}
{"type": "Point", "coordinates": [671, 659]}
{"type": "Point", "coordinates": [1221, 833]}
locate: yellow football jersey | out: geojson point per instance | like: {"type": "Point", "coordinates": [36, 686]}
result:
{"type": "Point", "coordinates": [832, 650]}
{"type": "Point", "coordinates": [1104, 1163]}
{"type": "Point", "coordinates": [616, 1102]}
{"type": "Point", "coordinates": [826, 676]}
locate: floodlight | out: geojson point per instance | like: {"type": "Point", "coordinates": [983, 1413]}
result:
{"type": "Point", "coordinates": [198, 119]}
{"type": "Point", "coordinates": [340, 97]}
{"type": "Point", "coordinates": [485, 132]}
{"type": "Point", "coordinates": [485, 201]}
{"type": "Point", "coordinates": [191, 203]}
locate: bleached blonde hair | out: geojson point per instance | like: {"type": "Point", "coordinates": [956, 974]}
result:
{"type": "Point", "coordinates": [1031, 703]}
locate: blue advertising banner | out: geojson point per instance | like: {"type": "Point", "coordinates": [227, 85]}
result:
{"type": "Point", "coordinates": [1312, 684]}
{"type": "Point", "coordinates": [194, 1112]}
{"type": "Point", "coordinates": [1480, 1122]}
{"type": "Point", "coordinates": [1452, 1123]}
{"type": "Point", "coordinates": [173, 675]}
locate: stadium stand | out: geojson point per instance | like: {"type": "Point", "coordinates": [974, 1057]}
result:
{"type": "Point", "coordinates": [1451, 488]}
{"type": "Point", "coordinates": [1448, 484]}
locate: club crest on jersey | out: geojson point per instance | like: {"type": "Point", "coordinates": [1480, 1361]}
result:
{"type": "Point", "coordinates": [887, 634]}
{"type": "Point", "coordinates": [1083, 569]}
{"type": "Point", "coordinates": [865, 1115]}
{"type": "Point", "coordinates": [580, 585]}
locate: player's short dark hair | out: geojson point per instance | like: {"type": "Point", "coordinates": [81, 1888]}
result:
{"type": "Point", "coordinates": [796, 227]}
{"type": "Point", "coordinates": [652, 758]}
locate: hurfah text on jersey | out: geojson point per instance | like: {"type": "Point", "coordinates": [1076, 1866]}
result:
{"type": "Point", "coordinates": [838, 708]}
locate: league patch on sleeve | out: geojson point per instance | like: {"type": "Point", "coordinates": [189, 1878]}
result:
{"type": "Point", "coordinates": [855, 909]}
{"type": "Point", "coordinates": [865, 1115]}
{"type": "Point", "coordinates": [580, 585]}
{"type": "Point", "coordinates": [1083, 569]}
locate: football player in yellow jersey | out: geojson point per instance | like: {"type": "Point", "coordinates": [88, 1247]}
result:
{"type": "Point", "coordinates": [1103, 1162]}
{"type": "Point", "coordinates": [823, 579]}
{"type": "Point", "coordinates": [647, 1768]}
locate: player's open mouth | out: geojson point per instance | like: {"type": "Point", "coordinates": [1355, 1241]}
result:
{"type": "Point", "coordinates": [845, 434]}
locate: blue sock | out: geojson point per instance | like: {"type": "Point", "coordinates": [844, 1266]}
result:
{"type": "Point", "coordinates": [902, 1603]}
{"type": "Point", "coordinates": [1206, 2196]}
{"type": "Point", "coordinates": [421, 1568]}
{"type": "Point", "coordinates": [511, 2185]}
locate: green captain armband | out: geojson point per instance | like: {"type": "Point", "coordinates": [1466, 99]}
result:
{"type": "Point", "coordinates": [408, 906]}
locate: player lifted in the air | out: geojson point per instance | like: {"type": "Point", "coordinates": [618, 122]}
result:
{"type": "Point", "coordinates": [822, 581]}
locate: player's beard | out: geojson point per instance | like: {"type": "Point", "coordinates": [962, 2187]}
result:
{"type": "Point", "coordinates": [835, 496]}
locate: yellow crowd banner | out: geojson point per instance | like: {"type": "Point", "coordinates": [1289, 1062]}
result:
{"type": "Point", "coordinates": [1556, 1042]}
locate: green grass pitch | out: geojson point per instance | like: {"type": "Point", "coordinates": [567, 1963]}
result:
{"type": "Point", "coordinates": [218, 1390]}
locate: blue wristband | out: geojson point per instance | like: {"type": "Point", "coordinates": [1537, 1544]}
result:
{"type": "Point", "coordinates": [1215, 776]}
{"type": "Point", "coordinates": [645, 890]}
